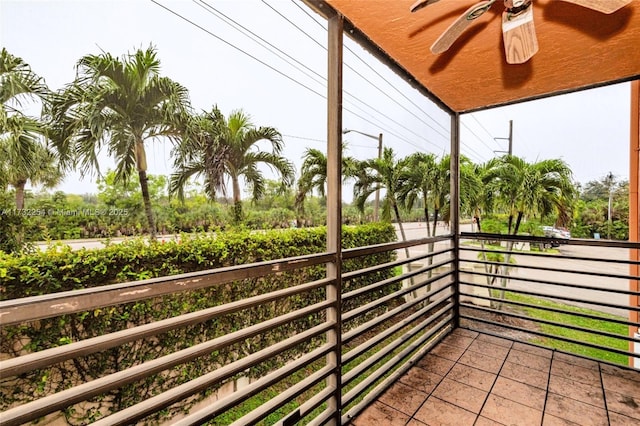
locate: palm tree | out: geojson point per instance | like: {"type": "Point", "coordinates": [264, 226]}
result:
{"type": "Point", "coordinates": [417, 182]}
{"type": "Point", "coordinates": [119, 104]}
{"type": "Point", "coordinates": [23, 154]}
{"type": "Point", "coordinates": [313, 174]}
{"type": "Point", "coordinates": [24, 158]}
{"type": "Point", "coordinates": [201, 154]}
{"type": "Point", "coordinates": [241, 138]}
{"type": "Point", "coordinates": [524, 189]}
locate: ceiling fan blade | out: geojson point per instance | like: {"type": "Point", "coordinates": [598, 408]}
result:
{"type": "Point", "coordinates": [455, 30]}
{"type": "Point", "coordinates": [519, 35]}
{"type": "Point", "coordinates": [420, 4]}
{"type": "Point", "coordinates": [602, 6]}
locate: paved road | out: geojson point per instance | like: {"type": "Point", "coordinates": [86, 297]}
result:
{"type": "Point", "coordinates": [576, 276]}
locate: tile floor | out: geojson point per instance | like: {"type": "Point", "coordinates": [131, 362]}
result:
{"type": "Point", "coordinates": [478, 379]}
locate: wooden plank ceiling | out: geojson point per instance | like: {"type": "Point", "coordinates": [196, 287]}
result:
{"type": "Point", "coordinates": [578, 49]}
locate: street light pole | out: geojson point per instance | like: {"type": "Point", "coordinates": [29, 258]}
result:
{"type": "Point", "coordinates": [376, 206]}
{"type": "Point", "coordinates": [609, 184]}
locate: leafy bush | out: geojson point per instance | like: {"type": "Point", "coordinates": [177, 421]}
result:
{"type": "Point", "coordinates": [60, 269]}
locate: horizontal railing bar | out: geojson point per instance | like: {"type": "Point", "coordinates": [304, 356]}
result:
{"type": "Point", "coordinates": [551, 256]}
{"type": "Point", "coordinates": [551, 336]}
{"type": "Point", "coordinates": [393, 280]}
{"type": "Point", "coordinates": [551, 296]}
{"type": "Point", "coordinates": [48, 404]}
{"type": "Point", "coordinates": [158, 402]}
{"type": "Point", "coordinates": [376, 268]}
{"type": "Point", "coordinates": [292, 392]}
{"type": "Point", "coordinates": [555, 283]}
{"type": "Point", "coordinates": [566, 241]}
{"type": "Point", "coordinates": [54, 304]}
{"type": "Point", "coordinates": [373, 359]}
{"type": "Point", "coordinates": [212, 410]}
{"type": "Point", "coordinates": [363, 328]}
{"type": "Point", "coordinates": [379, 337]}
{"type": "Point", "coordinates": [553, 323]}
{"type": "Point", "coordinates": [556, 310]}
{"type": "Point", "coordinates": [349, 315]}
{"type": "Point", "coordinates": [384, 247]}
{"type": "Point", "coordinates": [380, 372]}
{"type": "Point", "coordinates": [25, 363]}
{"type": "Point", "coordinates": [559, 270]}
{"type": "Point", "coordinates": [378, 390]}
{"type": "Point", "coordinates": [323, 418]}
{"type": "Point", "coordinates": [314, 402]}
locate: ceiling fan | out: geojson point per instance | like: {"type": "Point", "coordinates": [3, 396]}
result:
{"type": "Point", "coordinates": [518, 31]}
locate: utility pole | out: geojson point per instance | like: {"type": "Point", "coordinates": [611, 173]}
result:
{"type": "Point", "coordinates": [510, 137]}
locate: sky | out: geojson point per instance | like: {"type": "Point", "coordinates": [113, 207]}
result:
{"type": "Point", "coordinates": [268, 58]}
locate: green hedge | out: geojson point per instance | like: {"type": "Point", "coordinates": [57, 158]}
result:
{"type": "Point", "coordinates": [60, 269]}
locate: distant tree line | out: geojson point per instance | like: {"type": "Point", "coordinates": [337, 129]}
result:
{"type": "Point", "coordinates": [120, 105]}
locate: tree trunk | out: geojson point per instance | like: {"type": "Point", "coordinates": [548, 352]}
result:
{"type": "Point", "coordinates": [237, 203]}
{"type": "Point", "coordinates": [435, 221]}
{"type": "Point", "coordinates": [426, 219]}
{"type": "Point", "coordinates": [144, 187]}
{"type": "Point", "coordinates": [19, 185]}
{"type": "Point", "coordinates": [404, 238]}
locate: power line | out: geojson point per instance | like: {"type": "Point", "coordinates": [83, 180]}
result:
{"type": "Point", "coordinates": [238, 49]}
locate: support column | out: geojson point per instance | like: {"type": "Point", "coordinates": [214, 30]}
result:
{"type": "Point", "coordinates": [634, 211]}
{"type": "Point", "coordinates": [334, 209]}
{"type": "Point", "coordinates": [454, 208]}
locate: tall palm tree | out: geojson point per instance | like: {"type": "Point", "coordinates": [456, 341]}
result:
{"type": "Point", "coordinates": [241, 138]}
{"type": "Point", "coordinates": [524, 189]}
{"type": "Point", "coordinates": [313, 174]}
{"type": "Point", "coordinates": [201, 154]}
{"type": "Point", "coordinates": [119, 104]}
{"type": "Point", "coordinates": [417, 182]}
{"type": "Point", "coordinates": [25, 158]}
{"type": "Point", "coordinates": [23, 154]}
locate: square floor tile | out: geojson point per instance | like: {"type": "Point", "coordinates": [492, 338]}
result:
{"type": "Point", "coordinates": [421, 379]}
{"type": "Point", "coordinates": [458, 340]}
{"type": "Point", "coordinates": [483, 421]}
{"type": "Point", "coordinates": [435, 364]}
{"type": "Point", "coordinates": [628, 405]}
{"type": "Point", "coordinates": [575, 411]}
{"type": "Point", "coordinates": [380, 414]}
{"type": "Point", "coordinates": [489, 348]}
{"type": "Point", "coordinates": [481, 361]}
{"type": "Point", "coordinates": [531, 360]}
{"type": "Point", "coordinates": [436, 412]}
{"type": "Point", "coordinates": [582, 362]}
{"type": "Point", "coordinates": [462, 395]}
{"type": "Point", "coordinates": [508, 412]}
{"type": "Point", "coordinates": [520, 392]}
{"type": "Point", "coordinates": [472, 376]}
{"type": "Point", "coordinates": [621, 385]}
{"type": "Point", "coordinates": [403, 398]}
{"type": "Point", "coordinates": [575, 372]}
{"type": "Point", "coordinates": [522, 373]}
{"type": "Point", "coordinates": [532, 349]}
{"type": "Point", "coordinates": [616, 419]}
{"type": "Point", "coordinates": [575, 390]}
{"type": "Point", "coordinates": [620, 372]}
{"type": "Point", "coordinates": [447, 351]}
{"type": "Point", "coordinates": [496, 340]}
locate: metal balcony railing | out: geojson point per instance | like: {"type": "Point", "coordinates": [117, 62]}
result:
{"type": "Point", "coordinates": [385, 326]}
{"type": "Point", "coordinates": [576, 299]}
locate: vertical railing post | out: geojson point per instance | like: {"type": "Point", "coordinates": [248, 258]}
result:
{"type": "Point", "coordinates": [454, 208]}
{"type": "Point", "coordinates": [634, 213]}
{"type": "Point", "coordinates": [334, 208]}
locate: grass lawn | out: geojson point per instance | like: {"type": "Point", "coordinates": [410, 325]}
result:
{"type": "Point", "coordinates": [588, 323]}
